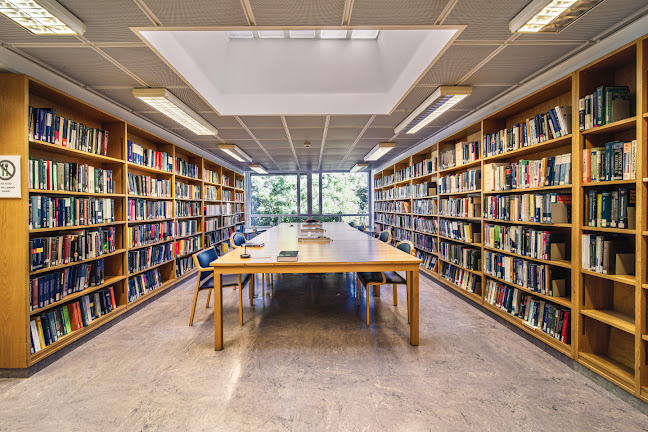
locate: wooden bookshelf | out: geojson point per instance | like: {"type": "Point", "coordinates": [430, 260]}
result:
{"type": "Point", "coordinates": [20, 92]}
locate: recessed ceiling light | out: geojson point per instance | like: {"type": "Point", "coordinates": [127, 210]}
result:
{"type": "Point", "coordinates": [258, 169]}
{"type": "Point", "coordinates": [242, 34]}
{"type": "Point", "coordinates": [271, 34]}
{"type": "Point", "coordinates": [333, 34]}
{"type": "Point", "coordinates": [550, 16]}
{"type": "Point", "coordinates": [42, 17]}
{"type": "Point", "coordinates": [364, 34]}
{"type": "Point", "coordinates": [444, 98]}
{"type": "Point", "coordinates": [235, 152]}
{"type": "Point", "coordinates": [302, 34]}
{"type": "Point", "coordinates": [359, 167]}
{"type": "Point", "coordinates": [379, 151]}
{"type": "Point", "coordinates": [175, 109]}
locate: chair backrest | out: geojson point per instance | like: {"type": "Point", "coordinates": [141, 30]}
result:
{"type": "Point", "coordinates": [254, 230]}
{"type": "Point", "coordinates": [312, 221]}
{"type": "Point", "coordinates": [224, 248]}
{"type": "Point", "coordinates": [361, 228]}
{"type": "Point", "coordinates": [385, 236]}
{"type": "Point", "coordinates": [352, 223]}
{"type": "Point", "coordinates": [237, 239]}
{"type": "Point", "coordinates": [407, 247]}
{"type": "Point", "coordinates": [202, 260]}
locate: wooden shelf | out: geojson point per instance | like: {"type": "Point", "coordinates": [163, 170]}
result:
{"type": "Point", "coordinates": [425, 233]}
{"type": "Point", "coordinates": [108, 280]}
{"type": "Point", "coordinates": [187, 254]}
{"type": "Point", "coordinates": [62, 266]}
{"type": "Point", "coordinates": [610, 230]}
{"type": "Point", "coordinates": [188, 199]}
{"type": "Point", "coordinates": [625, 279]}
{"type": "Point", "coordinates": [426, 250]}
{"type": "Point", "coordinates": [472, 219]}
{"type": "Point", "coordinates": [131, 248]}
{"type": "Point", "coordinates": [208, 183]}
{"type": "Point", "coordinates": [184, 177]}
{"type": "Point", "coordinates": [471, 295]}
{"type": "Point", "coordinates": [81, 194]}
{"type": "Point", "coordinates": [544, 224]}
{"type": "Point", "coordinates": [605, 365]}
{"type": "Point", "coordinates": [624, 124]}
{"type": "Point", "coordinates": [135, 273]}
{"type": "Point", "coordinates": [424, 176]}
{"type": "Point", "coordinates": [453, 194]}
{"type": "Point", "coordinates": [423, 215]}
{"type": "Point", "coordinates": [400, 182]}
{"type": "Point", "coordinates": [477, 245]}
{"type": "Point", "coordinates": [154, 198]}
{"type": "Point", "coordinates": [57, 149]}
{"type": "Point", "coordinates": [477, 272]}
{"type": "Point", "coordinates": [468, 165]}
{"type": "Point", "coordinates": [189, 235]}
{"type": "Point", "coordinates": [562, 301]}
{"type": "Point", "coordinates": [426, 197]}
{"type": "Point", "coordinates": [188, 217]}
{"type": "Point", "coordinates": [563, 263]}
{"type": "Point", "coordinates": [608, 183]}
{"type": "Point", "coordinates": [547, 145]}
{"type": "Point", "coordinates": [613, 318]}
{"type": "Point", "coordinates": [75, 227]}
{"type": "Point", "coordinates": [534, 189]}
{"type": "Point", "coordinates": [136, 167]}
{"type": "Point", "coordinates": [136, 222]}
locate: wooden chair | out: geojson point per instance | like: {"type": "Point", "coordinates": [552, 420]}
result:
{"type": "Point", "coordinates": [352, 224]}
{"type": "Point", "coordinates": [361, 228]}
{"type": "Point", "coordinates": [385, 236]}
{"type": "Point", "coordinates": [376, 279]}
{"type": "Point", "coordinates": [257, 231]}
{"type": "Point", "coordinates": [206, 280]}
{"type": "Point", "coordinates": [236, 240]}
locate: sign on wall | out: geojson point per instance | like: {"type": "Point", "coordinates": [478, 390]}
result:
{"type": "Point", "coordinates": [9, 176]}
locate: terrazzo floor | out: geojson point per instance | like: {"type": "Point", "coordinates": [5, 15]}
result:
{"type": "Point", "coordinates": [305, 361]}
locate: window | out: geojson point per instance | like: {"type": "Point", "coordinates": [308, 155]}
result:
{"type": "Point", "coordinates": [272, 195]}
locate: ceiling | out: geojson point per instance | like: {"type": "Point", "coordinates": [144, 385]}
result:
{"type": "Point", "coordinates": [110, 60]}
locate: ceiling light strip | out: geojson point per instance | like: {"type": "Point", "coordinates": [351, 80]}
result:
{"type": "Point", "coordinates": [379, 151]}
{"type": "Point", "coordinates": [359, 167]}
{"type": "Point", "coordinates": [257, 169]}
{"type": "Point", "coordinates": [444, 98]}
{"type": "Point", "coordinates": [550, 16]}
{"type": "Point", "coordinates": [42, 17]}
{"type": "Point", "coordinates": [235, 152]}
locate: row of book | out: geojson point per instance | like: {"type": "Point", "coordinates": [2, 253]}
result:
{"type": "Point", "coordinates": [238, 196]}
{"type": "Point", "coordinates": [211, 225]}
{"type": "Point", "coordinates": [427, 225]}
{"type": "Point", "coordinates": [461, 207]}
{"type": "Point", "coordinates": [72, 247]}
{"type": "Point", "coordinates": [383, 195]}
{"type": "Point", "coordinates": [141, 209]}
{"type": "Point", "coordinates": [549, 318]}
{"type": "Point", "coordinates": [464, 256]}
{"type": "Point", "coordinates": [402, 221]}
{"type": "Point", "coordinates": [529, 242]}
{"type": "Point", "coordinates": [539, 208]}
{"type": "Point", "coordinates": [144, 258]}
{"type": "Point", "coordinates": [187, 246]}
{"type": "Point", "coordinates": [56, 286]}
{"type": "Point", "coordinates": [47, 328]}
{"type": "Point", "coordinates": [187, 191]}
{"type": "Point", "coordinates": [211, 176]}
{"type": "Point", "coordinates": [611, 208]}
{"type": "Point", "coordinates": [385, 207]}
{"type": "Point", "coordinates": [211, 193]}
{"type": "Point", "coordinates": [69, 176]}
{"type": "Point", "coordinates": [426, 242]}
{"type": "Point", "coordinates": [149, 158]}
{"type": "Point", "coordinates": [54, 212]}
{"type": "Point", "coordinates": [603, 254]}
{"type": "Point", "coordinates": [385, 218]}
{"type": "Point", "coordinates": [227, 195]}
{"type": "Point", "coordinates": [232, 220]}
{"type": "Point", "coordinates": [402, 207]}
{"type": "Point", "coordinates": [184, 265]}
{"type": "Point", "coordinates": [540, 278]}
{"type": "Point", "coordinates": [461, 153]}
{"type": "Point", "coordinates": [606, 105]}
{"type": "Point", "coordinates": [143, 283]}
{"type": "Point", "coordinates": [403, 174]}
{"type": "Point", "coordinates": [463, 278]}
{"type": "Point", "coordinates": [238, 183]}
{"type": "Point", "coordinates": [226, 180]}
{"type": "Point", "coordinates": [425, 207]}
{"type": "Point", "coordinates": [212, 238]}
{"type": "Point", "coordinates": [424, 190]}
{"type": "Point", "coordinates": [459, 230]}
{"type": "Point", "coordinates": [45, 125]}
{"type": "Point", "coordinates": [147, 186]}
{"type": "Point", "coordinates": [425, 167]}
{"type": "Point", "coordinates": [187, 209]}
{"type": "Point", "coordinates": [616, 161]}
{"type": "Point", "coordinates": [428, 261]}
{"type": "Point", "coordinates": [401, 234]}
{"type": "Point", "coordinates": [467, 181]}
{"type": "Point", "coordinates": [525, 174]}
{"type": "Point", "coordinates": [384, 181]}
{"type": "Point", "coordinates": [403, 192]}
{"type": "Point", "coordinates": [186, 228]}
{"type": "Point", "coordinates": [542, 127]}
{"type": "Point", "coordinates": [222, 209]}
{"type": "Point", "coordinates": [185, 168]}
{"type": "Point", "coordinates": [145, 234]}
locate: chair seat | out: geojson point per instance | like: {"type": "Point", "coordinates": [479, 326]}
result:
{"type": "Point", "coordinates": [394, 278]}
{"type": "Point", "coordinates": [376, 277]}
{"type": "Point", "coordinates": [227, 280]}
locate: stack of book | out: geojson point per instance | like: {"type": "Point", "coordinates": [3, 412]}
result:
{"type": "Point", "coordinates": [603, 254]}
{"type": "Point", "coordinates": [533, 243]}
{"type": "Point", "coordinates": [53, 212]}
{"type": "Point", "coordinates": [525, 174]}
{"type": "Point", "coordinates": [147, 186]}
{"type": "Point", "coordinates": [468, 207]}
{"type": "Point", "coordinates": [75, 246]}
{"type": "Point", "coordinates": [144, 258]}
{"type": "Point", "coordinates": [611, 208]}
{"type": "Point", "coordinates": [616, 161]}
{"type": "Point", "coordinates": [460, 277]}
{"type": "Point", "coordinates": [606, 105]}
{"type": "Point", "coordinates": [424, 207]}
{"type": "Point", "coordinates": [145, 234]}
{"type": "Point", "coordinates": [143, 283]}
{"type": "Point", "coordinates": [140, 209]}
{"type": "Point", "coordinates": [186, 169]}
{"type": "Point", "coordinates": [425, 167]}
{"type": "Point", "coordinates": [463, 256]}
{"type": "Point", "coordinates": [187, 191]}
{"type": "Point", "coordinates": [149, 158]}
{"type": "Point", "coordinates": [70, 177]}
{"type": "Point", "coordinates": [459, 230]}
{"type": "Point", "coordinates": [463, 182]}
{"type": "Point", "coordinates": [540, 278]}
{"type": "Point", "coordinates": [539, 208]}
{"type": "Point", "coordinates": [427, 225]}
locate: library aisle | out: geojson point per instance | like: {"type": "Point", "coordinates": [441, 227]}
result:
{"type": "Point", "coordinates": [303, 362]}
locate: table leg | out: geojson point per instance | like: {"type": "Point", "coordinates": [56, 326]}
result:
{"type": "Point", "coordinates": [218, 312]}
{"type": "Point", "coordinates": [251, 289]}
{"type": "Point", "coordinates": [413, 276]}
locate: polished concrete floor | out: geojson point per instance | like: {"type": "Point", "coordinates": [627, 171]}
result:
{"type": "Point", "coordinates": [306, 361]}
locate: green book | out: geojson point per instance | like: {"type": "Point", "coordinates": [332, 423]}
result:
{"type": "Point", "coordinates": [287, 256]}
{"type": "Point", "coordinates": [66, 315]}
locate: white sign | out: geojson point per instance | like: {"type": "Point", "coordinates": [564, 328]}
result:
{"type": "Point", "coordinates": [9, 176]}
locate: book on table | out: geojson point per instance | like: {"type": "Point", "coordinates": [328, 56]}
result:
{"type": "Point", "coordinates": [287, 256]}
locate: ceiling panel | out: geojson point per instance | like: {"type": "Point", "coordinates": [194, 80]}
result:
{"type": "Point", "coordinates": [391, 120]}
{"type": "Point", "coordinates": [305, 121]}
{"type": "Point", "coordinates": [378, 133]}
{"type": "Point", "coordinates": [314, 135]}
{"type": "Point", "coordinates": [383, 12]}
{"type": "Point", "coordinates": [345, 144]}
{"type": "Point", "coordinates": [479, 96]}
{"type": "Point", "coordinates": [84, 65]}
{"type": "Point", "coordinates": [349, 121]}
{"type": "Point", "coordinates": [198, 12]}
{"type": "Point", "coordinates": [414, 99]}
{"type": "Point", "coordinates": [262, 121]}
{"type": "Point", "coordinates": [232, 134]}
{"type": "Point", "coordinates": [146, 65]}
{"type": "Point", "coordinates": [124, 96]}
{"type": "Point", "coordinates": [457, 61]}
{"type": "Point", "coordinates": [486, 19]}
{"type": "Point", "coordinates": [190, 136]}
{"type": "Point", "coordinates": [298, 12]}
{"type": "Point", "coordinates": [275, 134]}
{"type": "Point", "coordinates": [348, 133]}
{"type": "Point", "coordinates": [220, 121]}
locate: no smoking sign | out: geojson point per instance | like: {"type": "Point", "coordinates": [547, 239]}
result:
{"type": "Point", "coordinates": [10, 177]}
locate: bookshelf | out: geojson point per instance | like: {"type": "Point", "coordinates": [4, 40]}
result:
{"type": "Point", "coordinates": [607, 312]}
{"type": "Point", "coordinates": [83, 196]}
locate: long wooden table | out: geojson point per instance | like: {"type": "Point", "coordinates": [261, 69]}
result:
{"type": "Point", "coordinates": [349, 251]}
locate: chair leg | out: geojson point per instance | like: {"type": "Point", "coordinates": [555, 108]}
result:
{"type": "Point", "coordinates": [358, 289]}
{"type": "Point", "coordinates": [193, 309]}
{"type": "Point", "coordinates": [208, 298]}
{"type": "Point", "coordinates": [241, 301]}
{"type": "Point", "coordinates": [395, 296]}
{"type": "Point", "coordinates": [408, 308]}
{"type": "Point", "coordinates": [263, 290]}
{"type": "Point", "coordinates": [367, 304]}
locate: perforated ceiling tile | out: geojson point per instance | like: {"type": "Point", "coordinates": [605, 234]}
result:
{"type": "Point", "coordinates": [262, 121]}
{"type": "Point", "coordinates": [299, 135]}
{"type": "Point", "coordinates": [146, 65]}
{"type": "Point", "coordinates": [232, 134]}
{"type": "Point", "coordinates": [479, 96]}
{"type": "Point", "coordinates": [189, 97]}
{"type": "Point", "coordinates": [270, 134]}
{"type": "Point", "coordinates": [124, 96]}
{"type": "Point", "coordinates": [305, 121]}
{"type": "Point", "coordinates": [297, 12]}
{"type": "Point", "coordinates": [198, 12]}
{"type": "Point", "coordinates": [392, 120]}
{"type": "Point", "coordinates": [486, 19]}
{"type": "Point", "coordinates": [378, 133]}
{"type": "Point", "coordinates": [190, 136]}
{"type": "Point", "coordinates": [343, 133]}
{"type": "Point", "coordinates": [338, 144]}
{"type": "Point", "coordinates": [220, 121]}
{"type": "Point", "coordinates": [455, 63]}
{"type": "Point", "coordinates": [368, 12]}
{"type": "Point", "coordinates": [516, 63]}
{"type": "Point", "coordinates": [84, 65]}
{"type": "Point", "coordinates": [414, 98]}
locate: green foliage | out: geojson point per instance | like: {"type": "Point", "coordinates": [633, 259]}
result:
{"type": "Point", "coordinates": [274, 194]}
{"type": "Point", "coordinates": [345, 193]}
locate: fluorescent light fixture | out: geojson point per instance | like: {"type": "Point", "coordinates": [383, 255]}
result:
{"type": "Point", "coordinates": [364, 34]}
{"type": "Point", "coordinates": [258, 169]}
{"type": "Point", "coordinates": [550, 16]}
{"type": "Point", "coordinates": [444, 98]}
{"type": "Point", "coordinates": [175, 109]}
{"type": "Point", "coordinates": [359, 167]}
{"type": "Point", "coordinates": [42, 17]}
{"type": "Point", "coordinates": [271, 34]}
{"type": "Point", "coordinates": [333, 34]}
{"type": "Point", "coordinates": [240, 34]}
{"type": "Point", "coordinates": [235, 152]}
{"type": "Point", "coordinates": [302, 34]}
{"type": "Point", "coordinates": [379, 151]}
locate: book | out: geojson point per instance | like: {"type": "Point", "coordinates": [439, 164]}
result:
{"type": "Point", "coordinates": [287, 256]}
